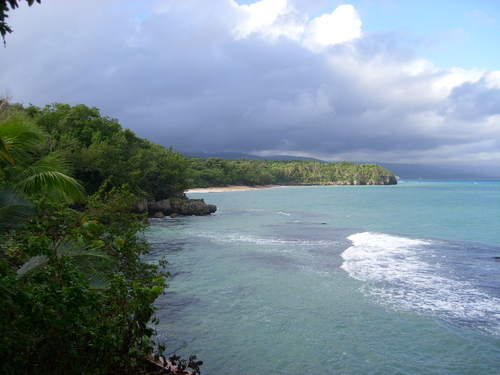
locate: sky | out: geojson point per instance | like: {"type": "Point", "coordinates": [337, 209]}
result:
{"type": "Point", "coordinates": [392, 81]}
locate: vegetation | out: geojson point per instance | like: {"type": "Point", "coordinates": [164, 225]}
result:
{"type": "Point", "coordinates": [221, 172]}
{"type": "Point", "coordinates": [76, 297]}
{"type": "Point", "coordinates": [100, 150]}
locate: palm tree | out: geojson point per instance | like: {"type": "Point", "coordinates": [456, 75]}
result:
{"type": "Point", "coordinates": [86, 259]}
{"type": "Point", "coordinates": [23, 174]}
{"type": "Point", "coordinates": [23, 170]}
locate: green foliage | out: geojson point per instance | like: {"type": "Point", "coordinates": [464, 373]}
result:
{"type": "Point", "coordinates": [86, 259]}
{"type": "Point", "coordinates": [24, 168]}
{"type": "Point", "coordinates": [220, 172]}
{"type": "Point", "coordinates": [76, 296]}
{"type": "Point", "coordinates": [100, 150]}
{"type": "Point", "coordinates": [20, 137]}
{"type": "Point", "coordinates": [14, 209]}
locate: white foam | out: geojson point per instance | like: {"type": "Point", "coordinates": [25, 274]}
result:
{"type": "Point", "coordinates": [249, 239]}
{"type": "Point", "coordinates": [395, 271]}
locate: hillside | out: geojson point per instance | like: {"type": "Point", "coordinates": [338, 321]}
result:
{"type": "Point", "coordinates": [211, 172]}
{"type": "Point", "coordinates": [402, 171]}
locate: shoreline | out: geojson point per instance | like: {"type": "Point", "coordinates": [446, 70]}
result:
{"type": "Point", "coordinates": [222, 189]}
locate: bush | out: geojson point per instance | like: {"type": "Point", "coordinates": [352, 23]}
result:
{"type": "Point", "coordinates": [62, 317]}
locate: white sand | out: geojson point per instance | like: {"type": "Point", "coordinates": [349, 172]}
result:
{"type": "Point", "coordinates": [228, 188]}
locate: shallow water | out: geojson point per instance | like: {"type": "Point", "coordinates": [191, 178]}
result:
{"type": "Point", "coordinates": [338, 279]}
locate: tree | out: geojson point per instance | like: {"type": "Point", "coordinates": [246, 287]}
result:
{"type": "Point", "coordinates": [25, 169]}
{"type": "Point", "coordinates": [4, 8]}
{"type": "Point", "coordinates": [100, 150]}
{"type": "Point", "coordinates": [62, 311]}
{"type": "Point", "coordinates": [22, 174]}
{"type": "Point", "coordinates": [220, 172]}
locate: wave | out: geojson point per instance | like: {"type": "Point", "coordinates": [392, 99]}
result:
{"type": "Point", "coordinates": [411, 274]}
{"type": "Point", "coordinates": [257, 240]}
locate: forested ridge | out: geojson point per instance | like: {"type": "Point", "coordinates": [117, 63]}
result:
{"type": "Point", "coordinates": [212, 172]}
{"type": "Point", "coordinates": [99, 149]}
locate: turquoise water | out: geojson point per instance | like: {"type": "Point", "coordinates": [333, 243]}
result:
{"type": "Point", "coordinates": [336, 280]}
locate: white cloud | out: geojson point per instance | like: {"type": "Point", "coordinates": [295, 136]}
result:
{"type": "Point", "coordinates": [453, 77]}
{"type": "Point", "coordinates": [268, 18]}
{"type": "Point", "coordinates": [341, 25]}
{"type": "Point", "coordinates": [259, 16]}
{"type": "Point", "coordinates": [274, 18]}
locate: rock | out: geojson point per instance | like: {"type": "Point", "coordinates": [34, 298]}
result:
{"type": "Point", "coordinates": [174, 207]}
{"type": "Point", "coordinates": [152, 207]}
{"type": "Point", "coordinates": [197, 207]}
{"type": "Point", "coordinates": [165, 206]}
{"type": "Point", "coordinates": [159, 215]}
{"type": "Point", "coordinates": [141, 207]}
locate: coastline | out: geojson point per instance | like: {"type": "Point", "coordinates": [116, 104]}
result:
{"type": "Point", "coordinates": [230, 188]}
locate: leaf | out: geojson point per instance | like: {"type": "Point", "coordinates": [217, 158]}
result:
{"type": "Point", "coordinates": [32, 264]}
{"type": "Point", "coordinates": [85, 259]}
{"type": "Point", "coordinates": [14, 208]}
{"type": "Point", "coordinates": [50, 175]}
{"type": "Point", "coordinates": [5, 152]}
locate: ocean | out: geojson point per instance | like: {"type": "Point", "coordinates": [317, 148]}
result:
{"type": "Point", "coordinates": [401, 279]}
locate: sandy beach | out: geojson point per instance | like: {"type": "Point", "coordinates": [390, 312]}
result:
{"type": "Point", "coordinates": [229, 188]}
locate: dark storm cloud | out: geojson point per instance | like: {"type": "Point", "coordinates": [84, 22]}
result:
{"type": "Point", "coordinates": [193, 76]}
{"type": "Point", "coordinates": [474, 101]}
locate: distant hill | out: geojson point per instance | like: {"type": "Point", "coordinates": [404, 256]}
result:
{"type": "Point", "coordinates": [403, 171]}
{"type": "Point", "coordinates": [427, 172]}
{"type": "Point", "coordinates": [239, 155]}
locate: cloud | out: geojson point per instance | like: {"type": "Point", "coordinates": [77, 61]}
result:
{"type": "Point", "coordinates": [474, 101]}
{"type": "Point", "coordinates": [341, 25]}
{"type": "Point", "coordinates": [270, 19]}
{"type": "Point", "coordinates": [261, 78]}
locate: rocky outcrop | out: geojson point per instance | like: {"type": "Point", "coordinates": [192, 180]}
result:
{"type": "Point", "coordinates": [197, 207]}
{"type": "Point", "coordinates": [175, 206]}
{"type": "Point", "coordinates": [384, 180]}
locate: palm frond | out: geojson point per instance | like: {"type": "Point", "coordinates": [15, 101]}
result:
{"type": "Point", "coordinates": [21, 133]}
{"type": "Point", "coordinates": [50, 174]}
{"type": "Point", "coordinates": [14, 208]}
{"type": "Point", "coordinates": [33, 264]}
{"type": "Point", "coordinates": [21, 136]}
{"type": "Point", "coordinates": [5, 150]}
{"type": "Point", "coordinates": [85, 258]}
{"type": "Point", "coordinates": [99, 280]}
